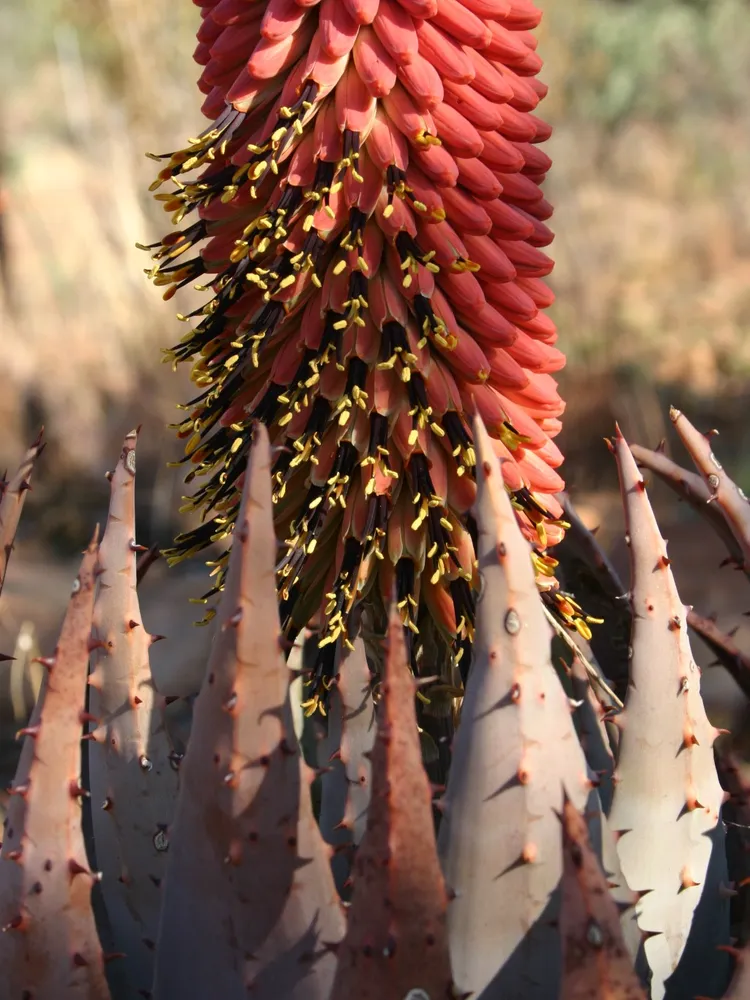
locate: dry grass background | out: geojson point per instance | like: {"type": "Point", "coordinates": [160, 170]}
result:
{"type": "Point", "coordinates": [651, 151]}
{"type": "Point", "coordinates": [650, 104]}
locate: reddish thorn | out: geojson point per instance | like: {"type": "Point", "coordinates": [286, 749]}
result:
{"type": "Point", "coordinates": [32, 731]}
{"type": "Point", "coordinates": [730, 950]}
{"type": "Point", "coordinates": [77, 791]}
{"type": "Point", "coordinates": [46, 661]}
{"type": "Point", "coordinates": [74, 868]}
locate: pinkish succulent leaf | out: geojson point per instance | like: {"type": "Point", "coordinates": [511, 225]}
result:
{"type": "Point", "coordinates": [249, 900]}
{"type": "Point", "coordinates": [691, 488]}
{"type": "Point", "coordinates": [345, 754]}
{"type": "Point", "coordinates": [579, 537]}
{"type": "Point", "coordinates": [132, 770]}
{"type": "Point", "coordinates": [49, 949]}
{"type": "Point", "coordinates": [596, 961]}
{"type": "Point", "coordinates": [667, 794]}
{"type": "Point", "coordinates": [146, 561]}
{"type": "Point", "coordinates": [396, 941]}
{"type": "Point", "coordinates": [724, 649]}
{"type": "Point", "coordinates": [597, 587]}
{"type": "Point", "coordinates": [12, 499]}
{"type": "Point", "coordinates": [592, 732]}
{"type": "Point", "coordinates": [723, 491]}
{"type": "Point", "coordinates": [594, 739]}
{"type": "Point", "coordinates": [740, 985]}
{"type": "Point", "coordinates": [736, 816]}
{"type": "Point", "coordinates": [515, 752]}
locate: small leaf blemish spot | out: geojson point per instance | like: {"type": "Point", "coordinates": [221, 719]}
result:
{"type": "Point", "coordinates": [512, 622]}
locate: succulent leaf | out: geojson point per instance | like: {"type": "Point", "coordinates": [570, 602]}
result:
{"type": "Point", "coordinates": [132, 767]}
{"type": "Point", "coordinates": [723, 491]}
{"type": "Point", "coordinates": [740, 985]}
{"type": "Point", "coordinates": [590, 575]}
{"type": "Point", "coordinates": [596, 961]}
{"type": "Point", "coordinates": [515, 751]}
{"type": "Point", "coordinates": [12, 499]}
{"type": "Point", "coordinates": [249, 900]}
{"type": "Point", "coordinates": [49, 949]}
{"type": "Point", "coordinates": [589, 722]}
{"type": "Point", "coordinates": [667, 794]}
{"type": "Point", "coordinates": [396, 940]}
{"type": "Point", "coordinates": [736, 816]}
{"type": "Point", "coordinates": [691, 488]}
{"type": "Point", "coordinates": [345, 755]}
{"type": "Point", "coordinates": [726, 651]}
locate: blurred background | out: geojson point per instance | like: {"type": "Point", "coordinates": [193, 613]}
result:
{"type": "Point", "coordinates": [650, 100]}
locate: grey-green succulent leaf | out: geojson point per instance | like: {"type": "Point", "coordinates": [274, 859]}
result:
{"type": "Point", "coordinates": [249, 899]}
{"type": "Point", "coordinates": [132, 768]}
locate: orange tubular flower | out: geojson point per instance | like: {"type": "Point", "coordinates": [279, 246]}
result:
{"type": "Point", "coordinates": [371, 222]}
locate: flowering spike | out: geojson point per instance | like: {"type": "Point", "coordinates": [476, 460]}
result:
{"type": "Point", "coordinates": [665, 760]}
{"type": "Point", "coordinates": [249, 898]}
{"type": "Point", "coordinates": [514, 752]}
{"type": "Point", "coordinates": [396, 941]}
{"type": "Point", "coordinates": [129, 761]}
{"type": "Point", "coordinates": [12, 498]}
{"type": "Point", "coordinates": [368, 216]}
{"type": "Point", "coordinates": [40, 898]}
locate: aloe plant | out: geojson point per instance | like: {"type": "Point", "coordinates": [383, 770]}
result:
{"type": "Point", "coordinates": [373, 437]}
{"type": "Point", "coordinates": [565, 864]}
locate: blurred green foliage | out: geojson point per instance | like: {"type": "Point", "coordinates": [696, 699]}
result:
{"type": "Point", "coordinates": [654, 59]}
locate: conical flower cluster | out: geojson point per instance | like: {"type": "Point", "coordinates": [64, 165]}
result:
{"type": "Point", "coordinates": [370, 218]}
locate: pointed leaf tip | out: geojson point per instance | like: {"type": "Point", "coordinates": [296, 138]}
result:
{"type": "Point", "coordinates": [399, 902]}
{"type": "Point", "coordinates": [244, 796]}
{"type": "Point", "coordinates": [595, 958]}
{"type": "Point", "coordinates": [664, 754]}
{"type": "Point", "coordinates": [514, 751]}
